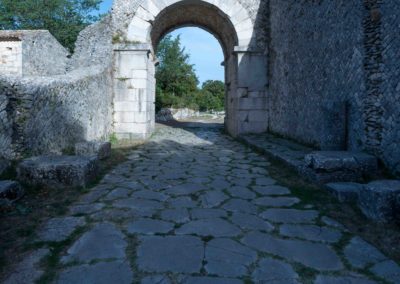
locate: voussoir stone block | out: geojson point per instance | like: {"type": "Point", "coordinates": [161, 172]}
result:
{"type": "Point", "coordinates": [379, 200]}
{"type": "Point", "coordinates": [93, 148]}
{"type": "Point", "coordinates": [58, 171]}
{"type": "Point", "coordinates": [339, 166]}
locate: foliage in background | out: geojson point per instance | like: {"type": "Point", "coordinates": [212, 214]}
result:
{"type": "Point", "coordinates": [177, 81]}
{"type": "Point", "coordinates": [63, 18]}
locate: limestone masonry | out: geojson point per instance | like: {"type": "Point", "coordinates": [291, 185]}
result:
{"type": "Point", "coordinates": [324, 73]}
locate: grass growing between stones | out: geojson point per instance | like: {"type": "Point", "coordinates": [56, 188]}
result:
{"type": "Point", "coordinates": [18, 225]}
{"type": "Point", "coordinates": [386, 237]}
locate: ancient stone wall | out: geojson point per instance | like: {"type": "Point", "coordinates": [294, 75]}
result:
{"type": "Point", "coordinates": [39, 53]}
{"type": "Point", "coordinates": [316, 71]}
{"type": "Point", "coordinates": [50, 114]}
{"type": "Point", "coordinates": [390, 29]}
{"type": "Point", "coordinates": [10, 56]}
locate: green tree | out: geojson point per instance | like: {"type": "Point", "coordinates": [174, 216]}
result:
{"type": "Point", "coordinates": [63, 18]}
{"type": "Point", "coordinates": [213, 92]}
{"type": "Point", "coordinates": [175, 75]}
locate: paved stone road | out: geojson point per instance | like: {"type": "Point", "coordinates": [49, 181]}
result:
{"type": "Point", "coordinates": [196, 207]}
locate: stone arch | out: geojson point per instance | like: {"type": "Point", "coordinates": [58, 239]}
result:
{"type": "Point", "coordinates": [140, 26]}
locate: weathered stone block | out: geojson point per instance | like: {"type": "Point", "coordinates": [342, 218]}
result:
{"type": "Point", "coordinates": [379, 200]}
{"type": "Point", "coordinates": [345, 191]}
{"type": "Point", "coordinates": [10, 191]}
{"type": "Point", "coordinates": [58, 171]}
{"type": "Point", "coordinates": [339, 166]}
{"type": "Point", "coordinates": [93, 148]}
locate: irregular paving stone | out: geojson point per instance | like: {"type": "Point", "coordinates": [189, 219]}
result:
{"type": "Point", "coordinates": [149, 227]}
{"type": "Point", "coordinates": [147, 194]}
{"type": "Point", "coordinates": [58, 171]}
{"type": "Point", "coordinates": [317, 256]}
{"type": "Point", "coordinates": [86, 208]}
{"type": "Point", "coordinates": [59, 229]}
{"type": "Point", "coordinates": [138, 204]}
{"type": "Point", "coordinates": [324, 279]}
{"type": "Point", "coordinates": [99, 273]}
{"type": "Point", "coordinates": [212, 199]}
{"type": "Point", "coordinates": [208, 213]}
{"type": "Point", "coordinates": [26, 271]}
{"type": "Point", "coordinates": [118, 193]}
{"type": "Point", "coordinates": [388, 270]}
{"type": "Point", "coordinates": [265, 181]}
{"type": "Point", "coordinates": [209, 227]}
{"type": "Point", "coordinates": [359, 253]}
{"type": "Point", "coordinates": [185, 189]}
{"type": "Point", "coordinates": [182, 202]}
{"type": "Point", "coordinates": [228, 258]}
{"type": "Point", "coordinates": [271, 190]}
{"type": "Point", "coordinates": [104, 241]}
{"type": "Point", "coordinates": [345, 191]}
{"type": "Point", "coordinates": [241, 192]}
{"type": "Point", "coordinates": [251, 222]}
{"type": "Point", "coordinates": [219, 184]}
{"type": "Point", "coordinates": [211, 280]}
{"type": "Point", "coordinates": [119, 214]}
{"type": "Point", "coordinates": [180, 215]}
{"type": "Point", "coordinates": [156, 279]}
{"type": "Point", "coordinates": [177, 254]}
{"type": "Point", "coordinates": [94, 195]}
{"type": "Point", "coordinates": [276, 201]}
{"type": "Point", "coordinates": [239, 205]}
{"type": "Point", "coordinates": [333, 223]}
{"type": "Point", "coordinates": [270, 270]}
{"type": "Point", "coordinates": [290, 216]}
{"type": "Point", "coordinates": [310, 232]}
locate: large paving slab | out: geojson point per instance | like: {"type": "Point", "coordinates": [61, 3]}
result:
{"type": "Point", "coordinates": [197, 207]}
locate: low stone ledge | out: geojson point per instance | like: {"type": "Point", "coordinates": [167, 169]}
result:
{"type": "Point", "coordinates": [379, 200]}
{"type": "Point", "coordinates": [58, 171]}
{"type": "Point", "coordinates": [345, 191]}
{"type": "Point", "coordinates": [93, 148]}
{"type": "Point", "coordinates": [339, 166]}
{"type": "Point", "coordinates": [10, 191]}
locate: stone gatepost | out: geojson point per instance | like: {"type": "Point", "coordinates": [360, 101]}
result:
{"type": "Point", "coordinates": [247, 107]}
{"type": "Point", "coordinates": [134, 91]}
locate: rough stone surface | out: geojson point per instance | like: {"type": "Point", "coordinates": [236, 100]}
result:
{"type": "Point", "coordinates": [388, 270]}
{"type": "Point", "coordinates": [104, 241]}
{"type": "Point", "coordinates": [93, 148]}
{"type": "Point", "coordinates": [322, 279]}
{"type": "Point", "coordinates": [360, 253]}
{"type": "Point", "coordinates": [58, 171]}
{"type": "Point", "coordinates": [291, 216]}
{"type": "Point", "coordinates": [181, 254]}
{"type": "Point", "coordinates": [313, 255]}
{"type": "Point", "coordinates": [28, 271]}
{"type": "Point", "coordinates": [59, 229]}
{"type": "Point", "coordinates": [136, 229]}
{"type": "Point", "coordinates": [345, 191]}
{"type": "Point", "coordinates": [378, 200]}
{"type": "Point", "coordinates": [270, 270]}
{"type": "Point", "coordinates": [99, 273]}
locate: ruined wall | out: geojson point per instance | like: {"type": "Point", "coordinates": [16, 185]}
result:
{"type": "Point", "coordinates": [10, 56]}
{"type": "Point", "coordinates": [40, 54]}
{"type": "Point", "coordinates": [50, 114]}
{"type": "Point", "coordinates": [390, 29]}
{"type": "Point", "coordinates": [316, 71]}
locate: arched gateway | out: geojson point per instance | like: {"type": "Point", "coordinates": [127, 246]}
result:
{"type": "Point", "coordinates": [138, 28]}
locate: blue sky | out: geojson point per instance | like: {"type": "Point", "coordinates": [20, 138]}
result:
{"type": "Point", "coordinates": [204, 49]}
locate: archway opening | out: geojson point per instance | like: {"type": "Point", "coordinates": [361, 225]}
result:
{"type": "Point", "coordinates": [190, 78]}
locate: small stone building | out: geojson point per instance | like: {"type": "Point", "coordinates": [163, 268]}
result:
{"type": "Point", "coordinates": [31, 53]}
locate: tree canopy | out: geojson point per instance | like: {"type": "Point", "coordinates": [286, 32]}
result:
{"type": "Point", "coordinates": [177, 82]}
{"type": "Point", "coordinates": [63, 18]}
